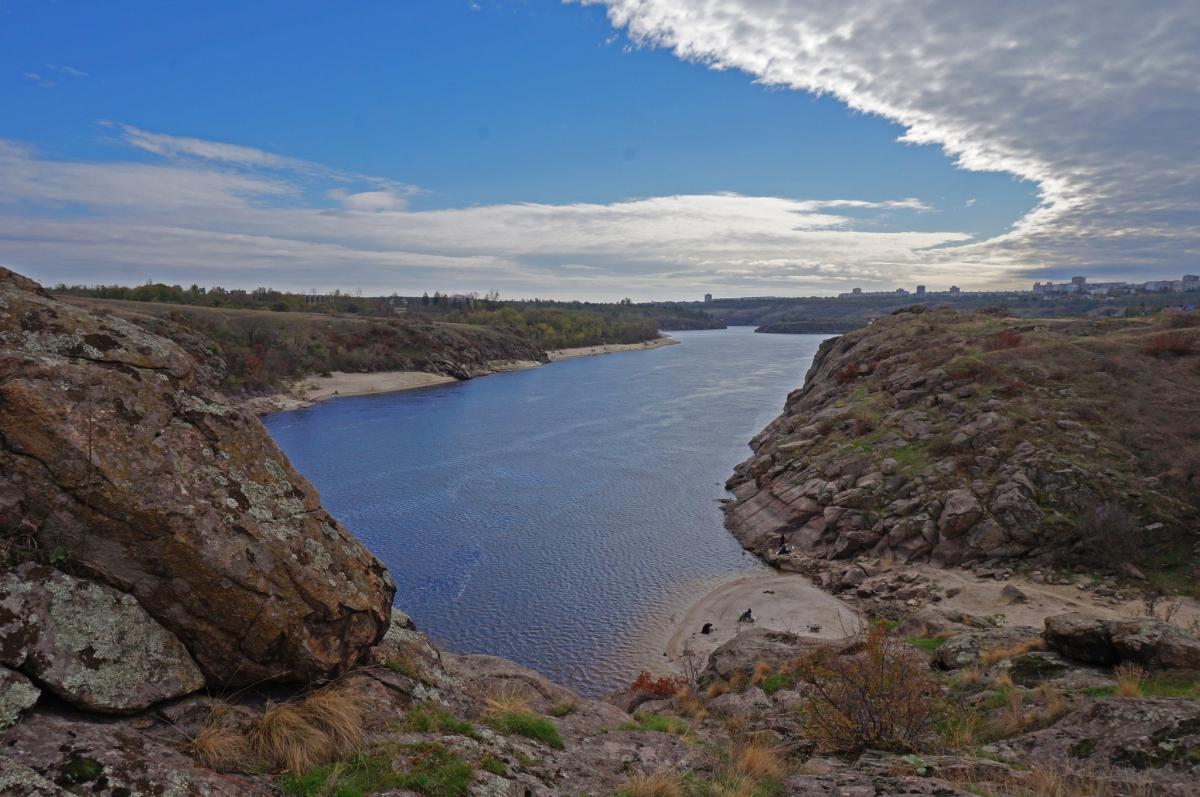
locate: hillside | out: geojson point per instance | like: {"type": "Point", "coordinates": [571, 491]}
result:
{"type": "Point", "coordinates": [974, 438]}
{"type": "Point", "coordinates": [247, 352]}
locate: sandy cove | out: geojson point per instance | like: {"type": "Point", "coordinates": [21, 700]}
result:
{"type": "Point", "coordinates": [611, 348]}
{"type": "Point", "coordinates": [312, 389]}
{"type": "Point", "coordinates": [791, 603]}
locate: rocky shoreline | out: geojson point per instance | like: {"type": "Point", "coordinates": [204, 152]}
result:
{"type": "Point", "coordinates": [179, 616]}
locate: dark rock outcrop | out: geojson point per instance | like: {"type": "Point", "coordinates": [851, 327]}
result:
{"type": "Point", "coordinates": [1146, 641]}
{"type": "Point", "coordinates": [89, 644]}
{"type": "Point", "coordinates": [114, 450]}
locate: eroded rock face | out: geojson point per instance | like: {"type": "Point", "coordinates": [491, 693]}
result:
{"type": "Point", "coordinates": [1146, 641]}
{"type": "Point", "coordinates": [92, 646]}
{"type": "Point", "coordinates": [1157, 737]}
{"type": "Point", "coordinates": [113, 448]}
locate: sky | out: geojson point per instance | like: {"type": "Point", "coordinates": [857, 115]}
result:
{"type": "Point", "coordinates": [598, 149]}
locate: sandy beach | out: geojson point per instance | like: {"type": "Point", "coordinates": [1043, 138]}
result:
{"type": "Point", "coordinates": [780, 601]}
{"type": "Point", "coordinates": [790, 602]}
{"type": "Point", "coordinates": [611, 348]}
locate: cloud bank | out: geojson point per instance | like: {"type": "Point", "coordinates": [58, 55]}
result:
{"type": "Point", "coordinates": [238, 216]}
{"type": "Point", "coordinates": [1096, 100]}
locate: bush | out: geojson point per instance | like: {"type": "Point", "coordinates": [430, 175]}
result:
{"type": "Point", "coordinates": [847, 374]}
{"type": "Point", "coordinates": [1001, 341]}
{"type": "Point", "coordinates": [880, 697]}
{"type": "Point", "coordinates": [1170, 344]}
{"type": "Point", "coordinates": [1013, 386]}
{"type": "Point", "coordinates": [1105, 534]}
{"type": "Point", "coordinates": [660, 689]}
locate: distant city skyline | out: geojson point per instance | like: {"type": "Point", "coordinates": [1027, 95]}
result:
{"type": "Point", "coordinates": [598, 149]}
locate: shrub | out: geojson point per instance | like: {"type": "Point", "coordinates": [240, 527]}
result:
{"type": "Point", "coordinates": [1001, 341]}
{"type": "Point", "coordinates": [1013, 386]}
{"type": "Point", "coordinates": [862, 426]}
{"type": "Point", "coordinates": [661, 688]}
{"type": "Point", "coordinates": [847, 374]}
{"type": "Point", "coordinates": [1105, 533]}
{"type": "Point", "coordinates": [880, 697]}
{"type": "Point", "coordinates": [1169, 344]}
{"type": "Point", "coordinates": [965, 368]}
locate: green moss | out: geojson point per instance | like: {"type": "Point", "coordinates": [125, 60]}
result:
{"type": "Point", "coordinates": [655, 722]}
{"type": "Point", "coordinates": [778, 681]}
{"type": "Point", "coordinates": [1082, 749]}
{"type": "Point", "coordinates": [78, 770]}
{"type": "Point", "coordinates": [1031, 670]}
{"type": "Point", "coordinates": [929, 644]}
{"type": "Point", "coordinates": [562, 709]}
{"type": "Point", "coordinates": [432, 771]}
{"type": "Point", "coordinates": [528, 725]}
{"type": "Point", "coordinates": [429, 719]}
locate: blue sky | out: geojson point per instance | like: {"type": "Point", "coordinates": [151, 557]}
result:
{"type": "Point", "coordinates": [486, 108]}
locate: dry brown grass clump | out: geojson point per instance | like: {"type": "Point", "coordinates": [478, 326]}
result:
{"type": "Point", "coordinates": [283, 737]}
{"type": "Point", "coordinates": [762, 671]}
{"type": "Point", "coordinates": [716, 689]}
{"type": "Point", "coordinates": [996, 655]}
{"type": "Point", "coordinates": [660, 783]}
{"type": "Point", "coordinates": [1003, 681]}
{"type": "Point", "coordinates": [879, 697]}
{"type": "Point", "coordinates": [1129, 679]}
{"type": "Point", "coordinates": [689, 705]}
{"type": "Point", "coordinates": [757, 759]}
{"type": "Point", "coordinates": [216, 747]}
{"type": "Point", "coordinates": [507, 701]}
{"type": "Point", "coordinates": [338, 713]}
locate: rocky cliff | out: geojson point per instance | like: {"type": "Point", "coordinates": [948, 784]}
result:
{"type": "Point", "coordinates": [973, 438]}
{"type": "Point", "coordinates": [119, 462]}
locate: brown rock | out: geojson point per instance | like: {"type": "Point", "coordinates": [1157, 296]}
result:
{"type": "Point", "coordinates": [960, 512]}
{"type": "Point", "coordinates": [1156, 644]}
{"type": "Point", "coordinates": [149, 481]}
{"type": "Point", "coordinates": [1081, 637]}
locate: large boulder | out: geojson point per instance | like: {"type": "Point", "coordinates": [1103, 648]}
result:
{"type": "Point", "coordinates": [108, 759]}
{"type": "Point", "coordinates": [92, 646]}
{"type": "Point", "coordinates": [748, 648]}
{"type": "Point", "coordinates": [961, 511]}
{"type": "Point", "coordinates": [1129, 740]}
{"type": "Point", "coordinates": [123, 456]}
{"type": "Point", "coordinates": [1156, 644]}
{"type": "Point", "coordinates": [968, 649]}
{"type": "Point", "coordinates": [1081, 637]}
{"type": "Point", "coordinates": [1143, 640]}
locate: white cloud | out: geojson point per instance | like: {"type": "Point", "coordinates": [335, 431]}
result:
{"type": "Point", "coordinates": [66, 70]}
{"type": "Point", "coordinates": [209, 212]}
{"type": "Point", "coordinates": [1096, 100]}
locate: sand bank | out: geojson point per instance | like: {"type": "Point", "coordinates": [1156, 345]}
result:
{"type": "Point", "coordinates": [780, 602]}
{"type": "Point", "coordinates": [611, 348]}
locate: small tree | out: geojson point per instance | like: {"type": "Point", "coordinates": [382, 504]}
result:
{"type": "Point", "coordinates": [876, 694]}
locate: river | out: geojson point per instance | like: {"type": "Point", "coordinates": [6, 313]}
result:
{"type": "Point", "coordinates": [561, 516]}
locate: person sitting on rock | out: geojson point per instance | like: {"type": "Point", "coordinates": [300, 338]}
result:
{"type": "Point", "coordinates": [707, 629]}
{"type": "Point", "coordinates": [783, 546]}
{"type": "Point", "coordinates": [747, 617]}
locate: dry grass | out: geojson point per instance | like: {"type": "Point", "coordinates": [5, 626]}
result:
{"type": "Point", "coordinates": [338, 713]}
{"type": "Point", "coordinates": [1129, 679]}
{"type": "Point", "coordinates": [507, 701]}
{"type": "Point", "coordinates": [1060, 780]}
{"type": "Point", "coordinates": [716, 689]}
{"type": "Point", "coordinates": [738, 680]}
{"type": "Point", "coordinates": [757, 759]}
{"type": "Point", "coordinates": [762, 671]}
{"type": "Point", "coordinates": [689, 705]}
{"type": "Point", "coordinates": [219, 749]}
{"type": "Point", "coordinates": [1054, 705]}
{"type": "Point", "coordinates": [660, 783]}
{"type": "Point", "coordinates": [971, 676]}
{"type": "Point", "coordinates": [735, 785]}
{"type": "Point", "coordinates": [283, 738]}
{"type": "Point", "coordinates": [997, 655]}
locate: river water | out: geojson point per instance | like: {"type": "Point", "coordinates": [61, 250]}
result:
{"type": "Point", "coordinates": [562, 516]}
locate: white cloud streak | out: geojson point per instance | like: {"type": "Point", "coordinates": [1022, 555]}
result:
{"type": "Point", "coordinates": [212, 212]}
{"type": "Point", "coordinates": [1096, 100]}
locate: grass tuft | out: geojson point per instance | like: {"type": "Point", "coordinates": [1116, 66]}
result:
{"type": "Point", "coordinates": [284, 739]}
{"type": "Point", "coordinates": [660, 783]}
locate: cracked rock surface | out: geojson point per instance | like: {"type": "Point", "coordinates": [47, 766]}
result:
{"type": "Point", "coordinates": [116, 451]}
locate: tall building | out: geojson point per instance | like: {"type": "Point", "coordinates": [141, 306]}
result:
{"type": "Point", "coordinates": [921, 290]}
{"type": "Point", "coordinates": [954, 291]}
{"type": "Point", "coordinates": [708, 297]}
